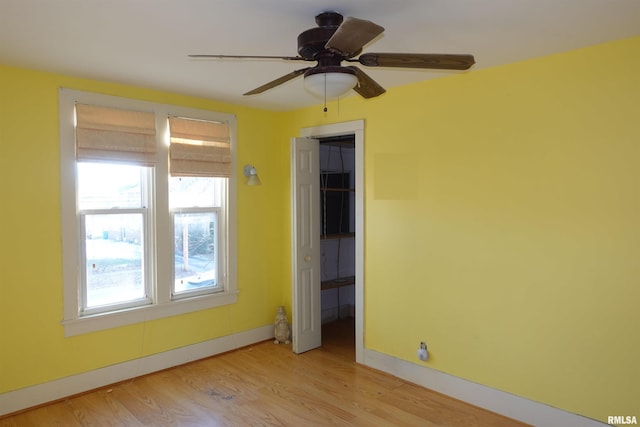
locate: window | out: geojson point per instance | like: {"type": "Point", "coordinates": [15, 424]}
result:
{"type": "Point", "coordinates": [114, 238]}
{"type": "Point", "coordinates": [195, 205]}
{"type": "Point", "coordinates": [148, 208]}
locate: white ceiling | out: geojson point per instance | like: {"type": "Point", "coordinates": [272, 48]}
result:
{"type": "Point", "coordinates": [145, 42]}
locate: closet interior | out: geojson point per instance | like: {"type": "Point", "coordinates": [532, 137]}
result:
{"type": "Point", "coordinates": [337, 233]}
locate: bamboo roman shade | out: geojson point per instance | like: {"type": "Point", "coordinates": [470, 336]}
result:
{"type": "Point", "coordinates": [104, 133]}
{"type": "Point", "coordinates": [199, 148]}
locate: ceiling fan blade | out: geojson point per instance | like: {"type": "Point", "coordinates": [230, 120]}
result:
{"type": "Point", "coordinates": [277, 82]}
{"type": "Point", "coordinates": [417, 60]}
{"type": "Point", "coordinates": [288, 58]}
{"type": "Point", "coordinates": [352, 35]}
{"type": "Point", "coordinates": [366, 87]}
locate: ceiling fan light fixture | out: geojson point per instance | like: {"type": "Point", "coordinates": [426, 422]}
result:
{"type": "Point", "coordinates": [330, 83]}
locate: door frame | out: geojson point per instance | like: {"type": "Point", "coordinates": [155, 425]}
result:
{"type": "Point", "coordinates": [355, 128]}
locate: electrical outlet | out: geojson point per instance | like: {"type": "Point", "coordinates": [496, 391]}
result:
{"type": "Point", "coordinates": [422, 351]}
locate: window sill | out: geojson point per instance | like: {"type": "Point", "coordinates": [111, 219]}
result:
{"type": "Point", "coordinates": [98, 322]}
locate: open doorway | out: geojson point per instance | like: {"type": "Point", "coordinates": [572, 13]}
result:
{"type": "Point", "coordinates": [337, 242]}
{"type": "Point", "coordinates": [306, 244]}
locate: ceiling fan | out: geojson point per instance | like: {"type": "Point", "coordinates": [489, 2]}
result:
{"type": "Point", "coordinates": [335, 40]}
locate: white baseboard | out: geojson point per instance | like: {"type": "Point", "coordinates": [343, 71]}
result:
{"type": "Point", "coordinates": [509, 405]}
{"type": "Point", "coordinates": [500, 402]}
{"type": "Point", "coordinates": [28, 397]}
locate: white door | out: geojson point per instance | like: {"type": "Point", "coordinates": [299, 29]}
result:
{"type": "Point", "coordinates": [305, 214]}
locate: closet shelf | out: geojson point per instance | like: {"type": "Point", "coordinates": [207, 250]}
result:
{"type": "Point", "coordinates": [343, 190]}
{"type": "Point", "coordinates": [337, 283]}
{"type": "Point", "coordinates": [336, 236]}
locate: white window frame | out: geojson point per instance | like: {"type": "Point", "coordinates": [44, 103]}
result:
{"type": "Point", "coordinates": [220, 249]}
{"type": "Point", "coordinates": [163, 304]}
{"type": "Point", "coordinates": [148, 250]}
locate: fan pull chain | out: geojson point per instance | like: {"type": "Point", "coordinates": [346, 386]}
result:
{"type": "Point", "coordinates": [325, 92]}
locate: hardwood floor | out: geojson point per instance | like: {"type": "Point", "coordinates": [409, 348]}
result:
{"type": "Point", "coordinates": [265, 385]}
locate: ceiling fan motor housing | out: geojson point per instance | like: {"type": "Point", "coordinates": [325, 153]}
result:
{"type": "Point", "coordinates": [311, 43]}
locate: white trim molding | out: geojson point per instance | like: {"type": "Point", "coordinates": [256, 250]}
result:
{"type": "Point", "coordinates": [509, 405]}
{"type": "Point", "coordinates": [355, 127]}
{"type": "Point", "coordinates": [29, 397]}
{"type": "Point", "coordinates": [499, 402]}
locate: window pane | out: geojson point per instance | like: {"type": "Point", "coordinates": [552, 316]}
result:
{"type": "Point", "coordinates": [114, 256]}
{"type": "Point", "coordinates": [107, 186]}
{"type": "Point", "coordinates": [187, 192]}
{"type": "Point", "coordinates": [195, 251]}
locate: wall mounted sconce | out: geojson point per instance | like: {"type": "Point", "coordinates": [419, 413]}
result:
{"type": "Point", "coordinates": [251, 173]}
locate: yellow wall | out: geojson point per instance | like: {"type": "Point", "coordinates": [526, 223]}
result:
{"type": "Point", "coordinates": [502, 225]}
{"type": "Point", "coordinates": [32, 347]}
